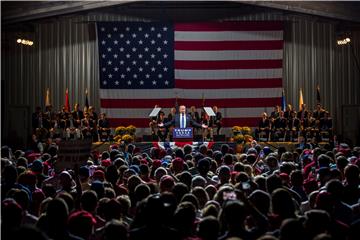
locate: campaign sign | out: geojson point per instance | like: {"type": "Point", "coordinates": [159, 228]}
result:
{"type": "Point", "coordinates": [73, 152]}
{"type": "Point", "coordinates": [182, 133]}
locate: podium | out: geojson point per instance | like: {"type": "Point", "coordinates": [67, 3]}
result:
{"type": "Point", "coordinates": [182, 134]}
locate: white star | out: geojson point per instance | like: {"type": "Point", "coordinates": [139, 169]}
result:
{"type": "Point", "coordinates": [127, 29]}
{"type": "Point", "coordinates": [128, 42]}
{"type": "Point", "coordinates": [121, 49]}
{"type": "Point", "coordinates": [133, 35]}
{"type": "Point", "coordinates": [128, 69]}
{"type": "Point", "coordinates": [164, 29]}
{"type": "Point", "coordinates": [146, 62]}
{"type": "Point", "coordinates": [153, 69]}
{"type": "Point", "coordinates": [146, 49]}
{"type": "Point", "coordinates": [129, 82]}
{"type": "Point", "coordinates": [127, 55]}
{"type": "Point", "coordinates": [103, 69]}
{"type": "Point", "coordinates": [152, 29]}
{"type": "Point", "coordinates": [154, 82]}
{"type": "Point", "coordinates": [165, 55]}
{"type": "Point", "coordinates": [140, 42]}
{"type": "Point", "coordinates": [102, 29]}
{"type": "Point", "coordinates": [158, 49]}
{"type": "Point", "coordinates": [109, 49]}
{"type": "Point", "coordinates": [116, 42]}
{"type": "Point", "coordinates": [140, 28]}
{"type": "Point", "coordinates": [147, 75]}
{"type": "Point", "coordinates": [121, 35]}
{"type": "Point", "coordinates": [104, 82]}
{"type": "Point", "coordinates": [122, 75]}
{"type": "Point", "coordinates": [135, 76]}
{"type": "Point", "coordinates": [115, 29]}
{"type": "Point", "coordinates": [116, 69]}
{"type": "Point", "coordinates": [140, 69]}
{"type": "Point", "coordinates": [134, 49]}
{"type": "Point", "coordinates": [140, 55]}
{"type": "Point", "coordinates": [146, 35]}
{"type": "Point", "coordinates": [166, 82]}
{"type": "Point", "coordinates": [159, 35]}
{"type": "Point", "coordinates": [109, 35]}
{"type": "Point", "coordinates": [165, 69]}
{"type": "Point", "coordinates": [152, 55]}
{"type": "Point", "coordinates": [141, 82]}
{"type": "Point", "coordinates": [152, 42]}
{"type": "Point", "coordinates": [115, 55]}
{"type": "Point", "coordinates": [103, 42]}
{"type": "Point", "coordinates": [165, 42]}
{"type": "Point", "coordinates": [134, 62]}
{"type": "Point", "coordinates": [109, 62]}
{"type": "Point", "coordinates": [121, 62]}
{"type": "Point", "coordinates": [159, 62]}
{"type": "Point", "coordinates": [103, 56]}
{"type": "Point", "coordinates": [160, 76]}
{"type": "Point", "coordinates": [110, 75]}
{"type": "Point", "coordinates": [116, 82]}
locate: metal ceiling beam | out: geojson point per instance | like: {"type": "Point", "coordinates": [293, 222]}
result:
{"type": "Point", "coordinates": [55, 9]}
{"type": "Point", "coordinates": [348, 11]}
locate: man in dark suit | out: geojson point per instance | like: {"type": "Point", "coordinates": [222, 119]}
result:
{"type": "Point", "coordinates": [217, 119]}
{"type": "Point", "coordinates": [182, 120]}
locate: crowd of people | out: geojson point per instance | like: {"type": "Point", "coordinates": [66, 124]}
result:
{"type": "Point", "coordinates": [288, 125]}
{"type": "Point", "coordinates": [183, 193]}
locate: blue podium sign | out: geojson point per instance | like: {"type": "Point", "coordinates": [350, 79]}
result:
{"type": "Point", "coordinates": [183, 133]}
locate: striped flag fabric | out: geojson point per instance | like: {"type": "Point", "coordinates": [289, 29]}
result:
{"type": "Point", "coordinates": [236, 66]}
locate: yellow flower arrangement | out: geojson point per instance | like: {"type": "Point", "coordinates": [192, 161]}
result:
{"type": "Point", "coordinates": [248, 138]}
{"type": "Point", "coordinates": [117, 138]}
{"type": "Point", "coordinates": [131, 129]}
{"type": "Point", "coordinates": [246, 130]}
{"type": "Point", "coordinates": [127, 138]}
{"type": "Point", "coordinates": [120, 130]}
{"type": "Point", "coordinates": [238, 138]}
{"type": "Point", "coordinates": [236, 129]}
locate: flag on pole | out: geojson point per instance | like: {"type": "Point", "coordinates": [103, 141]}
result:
{"type": "Point", "coordinates": [67, 104]}
{"type": "Point", "coordinates": [47, 98]}
{"type": "Point", "coordinates": [318, 94]}
{"type": "Point", "coordinates": [283, 101]}
{"type": "Point", "coordinates": [301, 100]}
{"type": "Point", "coordinates": [86, 99]}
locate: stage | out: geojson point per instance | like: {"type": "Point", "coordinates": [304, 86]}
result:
{"type": "Point", "coordinates": [146, 146]}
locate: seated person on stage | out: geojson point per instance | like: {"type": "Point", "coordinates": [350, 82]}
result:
{"type": "Point", "coordinates": [207, 133]}
{"type": "Point", "coordinates": [318, 112]}
{"type": "Point", "coordinates": [103, 127]}
{"type": "Point", "coordinates": [303, 113]}
{"type": "Point", "coordinates": [182, 120]}
{"type": "Point", "coordinates": [153, 123]}
{"type": "Point", "coordinates": [161, 131]}
{"type": "Point", "coordinates": [217, 120]}
{"type": "Point", "coordinates": [294, 125]}
{"type": "Point", "coordinates": [87, 126]}
{"type": "Point", "coordinates": [72, 128]}
{"type": "Point", "coordinates": [276, 113]}
{"type": "Point", "coordinates": [326, 123]}
{"type": "Point", "coordinates": [55, 129]}
{"type": "Point", "coordinates": [196, 117]}
{"type": "Point", "coordinates": [77, 114]}
{"type": "Point", "coordinates": [279, 126]}
{"type": "Point", "coordinates": [309, 126]}
{"type": "Point", "coordinates": [170, 117]}
{"type": "Point", "coordinates": [288, 111]}
{"type": "Point", "coordinates": [264, 126]}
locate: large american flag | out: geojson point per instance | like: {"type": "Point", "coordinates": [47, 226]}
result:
{"type": "Point", "coordinates": [236, 66]}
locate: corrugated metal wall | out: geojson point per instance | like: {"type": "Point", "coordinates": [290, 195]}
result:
{"type": "Point", "coordinates": [65, 55]}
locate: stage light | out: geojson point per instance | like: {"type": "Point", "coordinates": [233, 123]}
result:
{"type": "Point", "coordinates": [25, 42]}
{"type": "Point", "coordinates": [347, 39]}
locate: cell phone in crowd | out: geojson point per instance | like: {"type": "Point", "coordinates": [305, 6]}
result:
{"type": "Point", "coordinates": [262, 154]}
{"type": "Point", "coordinates": [229, 195]}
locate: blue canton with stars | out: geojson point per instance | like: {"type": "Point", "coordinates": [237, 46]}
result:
{"type": "Point", "coordinates": [136, 55]}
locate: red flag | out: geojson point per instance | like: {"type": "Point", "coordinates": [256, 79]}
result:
{"type": "Point", "coordinates": [67, 104]}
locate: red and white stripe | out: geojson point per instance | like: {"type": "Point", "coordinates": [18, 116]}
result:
{"type": "Point", "coordinates": [236, 66]}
